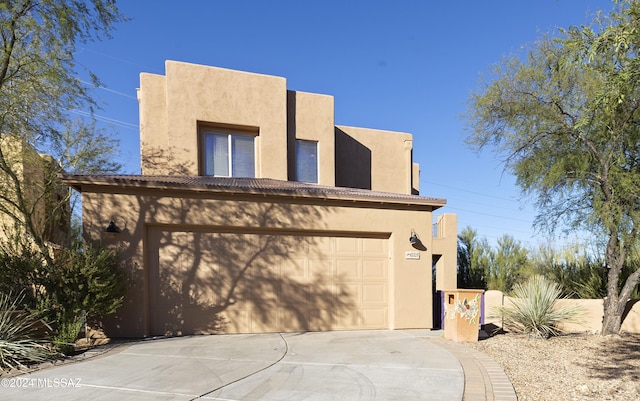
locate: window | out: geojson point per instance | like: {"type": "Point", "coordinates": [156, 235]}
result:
{"type": "Point", "coordinates": [307, 161]}
{"type": "Point", "coordinates": [228, 155]}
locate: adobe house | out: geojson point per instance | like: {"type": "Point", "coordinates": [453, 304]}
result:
{"type": "Point", "coordinates": [255, 213]}
{"type": "Point", "coordinates": [34, 177]}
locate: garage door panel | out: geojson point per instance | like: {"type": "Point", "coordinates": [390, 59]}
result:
{"type": "Point", "coordinates": [293, 318]}
{"type": "Point", "coordinates": [265, 320]}
{"type": "Point", "coordinates": [374, 318]}
{"type": "Point", "coordinates": [348, 270]}
{"type": "Point", "coordinates": [206, 286]}
{"type": "Point", "coordinates": [321, 246]}
{"type": "Point", "coordinates": [236, 321]}
{"type": "Point", "coordinates": [294, 268]}
{"type": "Point", "coordinates": [265, 283]}
{"type": "Point", "coordinates": [349, 292]}
{"type": "Point", "coordinates": [374, 293]}
{"type": "Point", "coordinates": [321, 270]}
{"type": "Point", "coordinates": [374, 269]}
{"type": "Point", "coordinates": [320, 319]}
{"type": "Point", "coordinates": [348, 246]}
{"type": "Point", "coordinates": [262, 293]}
{"type": "Point", "coordinates": [375, 247]}
{"type": "Point", "coordinates": [348, 320]}
{"type": "Point", "coordinates": [295, 294]}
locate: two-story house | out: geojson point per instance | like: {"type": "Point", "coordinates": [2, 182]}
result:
{"type": "Point", "coordinates": [255, 213]}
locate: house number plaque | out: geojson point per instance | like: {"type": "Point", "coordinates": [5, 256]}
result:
{"type": "Point", "coordinates": [413, 255]}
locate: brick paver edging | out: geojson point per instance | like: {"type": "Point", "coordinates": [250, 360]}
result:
{"type": "Point", "coordinates": [484, 379]}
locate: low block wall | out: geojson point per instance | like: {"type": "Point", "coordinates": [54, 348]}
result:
{"type": "Point", "coordinates": [591, 319]}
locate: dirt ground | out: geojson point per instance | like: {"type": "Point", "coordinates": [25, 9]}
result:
{"type": "Point", "coordinates": [569, 367]}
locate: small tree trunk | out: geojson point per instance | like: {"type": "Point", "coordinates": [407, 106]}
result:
{"type": "Point", "coordinates": [612, 320]}
{"type": "Point", "coordinates": [616, 303]}
{"type": "Point", "coordinates": [613, 304]}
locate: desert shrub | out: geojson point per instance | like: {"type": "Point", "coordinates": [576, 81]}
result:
{"type": "Point", "coordinates": [579, 272]}
{"type": "Point", "coordinates": [88, 281]}
{"type": "Point", "coordinates": [77, 284]}
{"type": "Point", "coordinates": [534, 309]}
{"type": "Point", "coordinates": [582, 278]}
{"type": "Point", "coordinates": [21, 274]}
{"type": "Point", "coordinates": [83, 284]}
{"type": "Point", "coordinates": [18, 335]}
{"type": "Point", "coordinates": [66, 334]}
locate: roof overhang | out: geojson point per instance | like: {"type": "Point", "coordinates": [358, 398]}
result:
{"type": "Point", "coordinates": [243, 186]}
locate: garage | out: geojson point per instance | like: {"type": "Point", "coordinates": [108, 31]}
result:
{"type": "Point", "coordinates": [202, 281]}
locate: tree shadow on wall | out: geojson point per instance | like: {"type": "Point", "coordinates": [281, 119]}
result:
{"type": "Point", "coordinates": [218, 277]}
{"type": "Point", "coordinates": [207, 282]}
{"type": "Point", "coordinates": [160, 161]}
{"type": "Point", "coordinates": [212, 282]}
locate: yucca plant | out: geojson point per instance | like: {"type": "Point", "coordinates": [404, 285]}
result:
{"type": "Point", "coordinates": [534, 309]}
{"type": "Point", "coordinates": [17, 331]}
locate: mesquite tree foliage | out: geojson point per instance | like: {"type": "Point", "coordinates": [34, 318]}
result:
{"type": "Point", "coordinates": [566, 120]}
{"type": "Point", "coordinates": [39, 90]}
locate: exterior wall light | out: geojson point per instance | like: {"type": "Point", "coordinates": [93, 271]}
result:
{"type": "Point", "coordinates": [413, 239]}
{"type": "Point", "coordinates": [112, 228]}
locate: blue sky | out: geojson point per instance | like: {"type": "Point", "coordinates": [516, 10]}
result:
{"type": "Point", "coordinates": [397, 65]}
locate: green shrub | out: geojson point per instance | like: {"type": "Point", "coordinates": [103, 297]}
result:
{"type": "Point", "coordinates": [85, 284]}
{"type": "Point", "coordinates": [76, 285]}
{"type": "Point", "coordinates": [18, 342]}
{"type": "Point", "coordinates": [65, 336]}
{"type": "Point", "coordinates": [88, 282]}
{"type": "Point", "coordinates": [534, 310]}
{"type": "Point", "coordinates": [21, 274]}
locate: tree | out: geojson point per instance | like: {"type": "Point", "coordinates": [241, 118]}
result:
{"type": "Point", "coordinates": [578, 273]}
{"type": "Point", "coordinates": [509, 263]}
{"type": "Point", "coordinates": [480, 266]}
{"type": "Point", "coordinates": [38, 89]}
{"type": "Point", "coordinates": [474, 256]}
{"type": "Point", "coordinates": [566, 118]}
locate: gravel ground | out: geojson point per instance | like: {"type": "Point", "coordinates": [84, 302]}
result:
{"type": "Point", "coordinates": [573, 367]}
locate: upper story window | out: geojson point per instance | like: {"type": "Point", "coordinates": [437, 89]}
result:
{"type": "Point", "coordinates": [307, 161]}
{"type": "Point", "coordinates": [228, 154]}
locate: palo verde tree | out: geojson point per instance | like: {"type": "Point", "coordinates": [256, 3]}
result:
{"type": "Point", "coordinates": [566, 119]}
{"type": "Point", "coordinates": [39, 89]}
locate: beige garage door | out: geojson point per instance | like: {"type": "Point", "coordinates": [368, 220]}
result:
{"type": "Point", "coordinates": [203, 282]}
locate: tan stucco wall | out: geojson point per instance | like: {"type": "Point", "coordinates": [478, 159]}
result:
{"type": "Point", "coordinates": [391, 159]}
{"type": "Point", "coordinates": [311, 118]}
{"type": "Point", "coordinates": [154, 134]}
{"type": "Point", "coordinates": [200, 94]}
{"type": "Point", "coordinates": [591, 318]}
{"type": "Point", "coordinates": [415, 178]}
{"type": "Point", "coordinates": [50, 214]}
{"type": "Point", "coordinates": [172, 107]}
{"type": "Point", "coordinates": [410, 289]}
{"type": "Point", "coordinates": [445, 244]}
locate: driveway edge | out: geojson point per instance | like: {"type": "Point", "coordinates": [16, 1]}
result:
{"type": "Point", "coordinates": [484, 379]}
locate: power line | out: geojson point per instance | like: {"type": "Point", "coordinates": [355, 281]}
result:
{"type": "Point", "coordinates": [104, 88]}
{"type": "Point", "coordinates": [492, 215]}
{"type": "Point", "coordinates": [123, 124]}
{"type": "Point", "coordinates": [454, 200]}
{"type": "Point", "coordinates": [471, 192]}
{"type": "Point", "coordinates": [115, 58]}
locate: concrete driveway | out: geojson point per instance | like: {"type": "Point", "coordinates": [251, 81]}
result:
{"type": "Point", "coordinates": [347, 365]}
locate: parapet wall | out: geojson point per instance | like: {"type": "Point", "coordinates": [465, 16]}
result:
{"type": "Point", "coordinates": [591, 319]}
